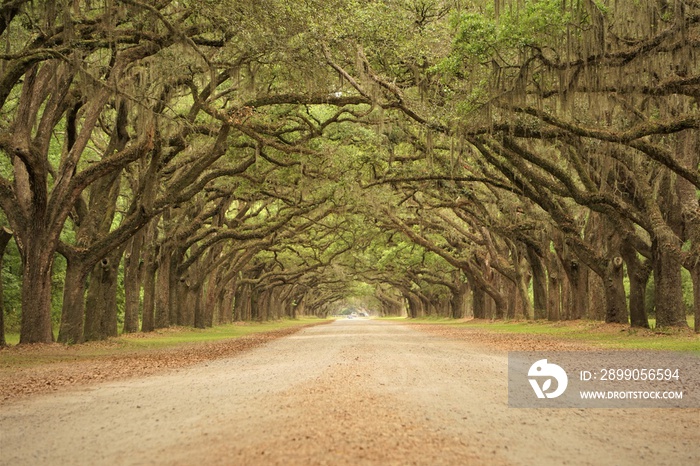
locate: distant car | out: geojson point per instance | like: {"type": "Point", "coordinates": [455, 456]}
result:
{"type": "Point", "coordinates": [351, 317]}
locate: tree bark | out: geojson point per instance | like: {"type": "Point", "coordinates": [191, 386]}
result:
{"type": "Point", "coordinates": [490, 307]}
{"type": "Point", "coordinates": [176, 296]}
{"type": "Point", "coordinates": [222, 313]}
{"type": "Point", "coordinates": [181, 301]}
{"type": "Point", "coordinates": [262, 305]}
{"type": "Point", "coordinates": [575, 282]}
{"type": "Point", "coordinates": [242, 303]}
{"type": "Point", "coordinates": [689, 148]}
{"type": "Point", "coordinates": [520, 309]}
{"type": "Point", "coordinates": [695, 275]}
{"type": "Point", "coordinates": [499, 304]}
{"type": "Point", "coordinates": [513, 299]}
{"type": "Point", "coordinates": [149, 294]}
{"type": "Point", "coordinates": [101, 303]}
{"type": "Point", "coordinates": [210, 300]}
{"type": "Point", "coordinates": [479, 303]}
{"type": "Point", "coordinates": [615, 300]}
{"type": "Point", "coordinates": [252, 305]}
{"type": "Point", "coordinates": [162, 298]}
{"type": "Point", "coordinates": [73, 315]}
{"type": "Point", "coordinates": [668, 296]}
{"type": "Point", "coordinates": [577, 275]}
{"type": "Point", "coordinates": [5, 236]}
{"type": "Point", "coordinates": [554, 298]}
{"type": "Point", "coordinates": [595, 298]}
{"type": "Point", "coordinates": [150, 253]}
{"type": "Point", "coordinates": [200, 315]}
{"type": "Point", "coordinates": [638, 273]}
{"type": "Point", "coordinates": [133, 271]}
{"type": "Point", "coordinates": [29, 215]}
{"type": "Point", "coordinates": [460, 294]}
{"type": "Point", "coordinates": [37, 265]}
{"type": "Point", "coordinates": [523, 308]}
{"type": "Point", "coordinates": [566, 304]}
{"type": "Point", "coordinates": [211, 317]}
{"type": "Point", "coordinates": [415, 307]}
{"type": "Point", "coordinates": [226, 304]}
{"type": "Point", "coordinates": [539, 285]}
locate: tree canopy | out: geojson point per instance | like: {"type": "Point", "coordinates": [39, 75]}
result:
{"type": "Point", "coordinates": [187, 163]}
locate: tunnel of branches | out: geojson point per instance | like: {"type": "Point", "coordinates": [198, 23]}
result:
{"type": "Point", "coordinates": [199, 162]}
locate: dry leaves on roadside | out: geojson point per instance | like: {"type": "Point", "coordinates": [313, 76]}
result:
{"type": "Point", "coordinates": [50, 377]}
{"type": "Point", "coordinates": [504, 341]}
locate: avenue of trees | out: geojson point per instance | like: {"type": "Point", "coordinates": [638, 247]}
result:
{"type": "Point", "coordinates": [196, 162]}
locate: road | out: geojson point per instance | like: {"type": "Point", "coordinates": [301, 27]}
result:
{"type": "Point", "coordinates": [352, 392]}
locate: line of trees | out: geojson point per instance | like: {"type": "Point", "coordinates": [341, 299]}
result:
{"type": "Point", "coordinates": [138, 142]}
{"type": "Point", "coordinates": [550, 154]}
{"type": "Point", "coordinates": [187, 163]}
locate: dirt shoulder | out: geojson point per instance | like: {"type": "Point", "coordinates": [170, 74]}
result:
{"type": "Point", "coordinates": [503, 341]}
{"type": "Point", "coordinates": [45, 375]}
{"type": "Point", "coordinates": [559, 336]}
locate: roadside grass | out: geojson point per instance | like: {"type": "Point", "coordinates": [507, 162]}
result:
{"type": "Point", "coordinates": [12, 338]}
{"type": "Point", "coordinates": [595, 333]}
{"type": "Point", "coordinates": [136, 343]}
{"type": "Point", "coordinates": [176, 336]}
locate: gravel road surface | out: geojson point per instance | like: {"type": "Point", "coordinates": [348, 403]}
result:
{"type": "Point", "coordinates": [352, 392]}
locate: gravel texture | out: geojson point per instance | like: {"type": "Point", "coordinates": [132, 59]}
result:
{"type": "Point", "coordinates": [352, 392]}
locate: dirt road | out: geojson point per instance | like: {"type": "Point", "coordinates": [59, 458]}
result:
{"type": "Point", "coordinates": [353, 392]}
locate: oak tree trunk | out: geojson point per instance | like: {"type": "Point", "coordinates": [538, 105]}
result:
{"type": "Point", "coordinates": [615, 299]}
{"type": "Point", "coordinates": [162, 298]}
{"type": "Point", "coordinates": [242, 303]}
{"type": "Point", "coordinates": [150, 252]}
{"type": "Point", "coordinates": [414, 305]}
{"type": "Point", "coordinates": [695, 275]}
{"type": "Point", "coordinates": [668, 296]}
{"type": "Point", "coordinates": [554, 297]}
{"type": "Point", "coordinates": [176, 288]}
{"type": "Point", "coordinates": [101, 303]}
{"type": "Point", "coordinates": [459, 299]}
{"type": "Point", "coordinates": [638, 273]}
{"type": "Point", "coordinates": [200, 315]}
{"type": "Point", "coordinates": [577, 274]}
{"type": "Point", "coordinates": [539, 285]}
{"type": "Point", "coordinates": [133, 271]}
{"type": "Point", "coordinates": [210, 300]}
{"type": "Point", "coordinates": [596, 297]}
{"type": "Point", "coordinates": [73, 314]}
{"type": "Point", "coordinates": [225, 305]}
{"type": "Point", "coordinates": [5, 236]}
{"type": "Point", "coordinates": [37, 265]}
{"type": "Point", "coordinates": [149, 293]}
{"type": "Point", "coordinates": [479, 303]}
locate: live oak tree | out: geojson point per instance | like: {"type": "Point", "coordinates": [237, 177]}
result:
{"type": "Point", "coordinates": [58, 78]}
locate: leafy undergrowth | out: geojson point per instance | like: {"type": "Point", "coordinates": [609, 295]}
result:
{"type": "Point", "coordinates": [563, 335]}
{"type": "Point", "coordinates": [34, 369]}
